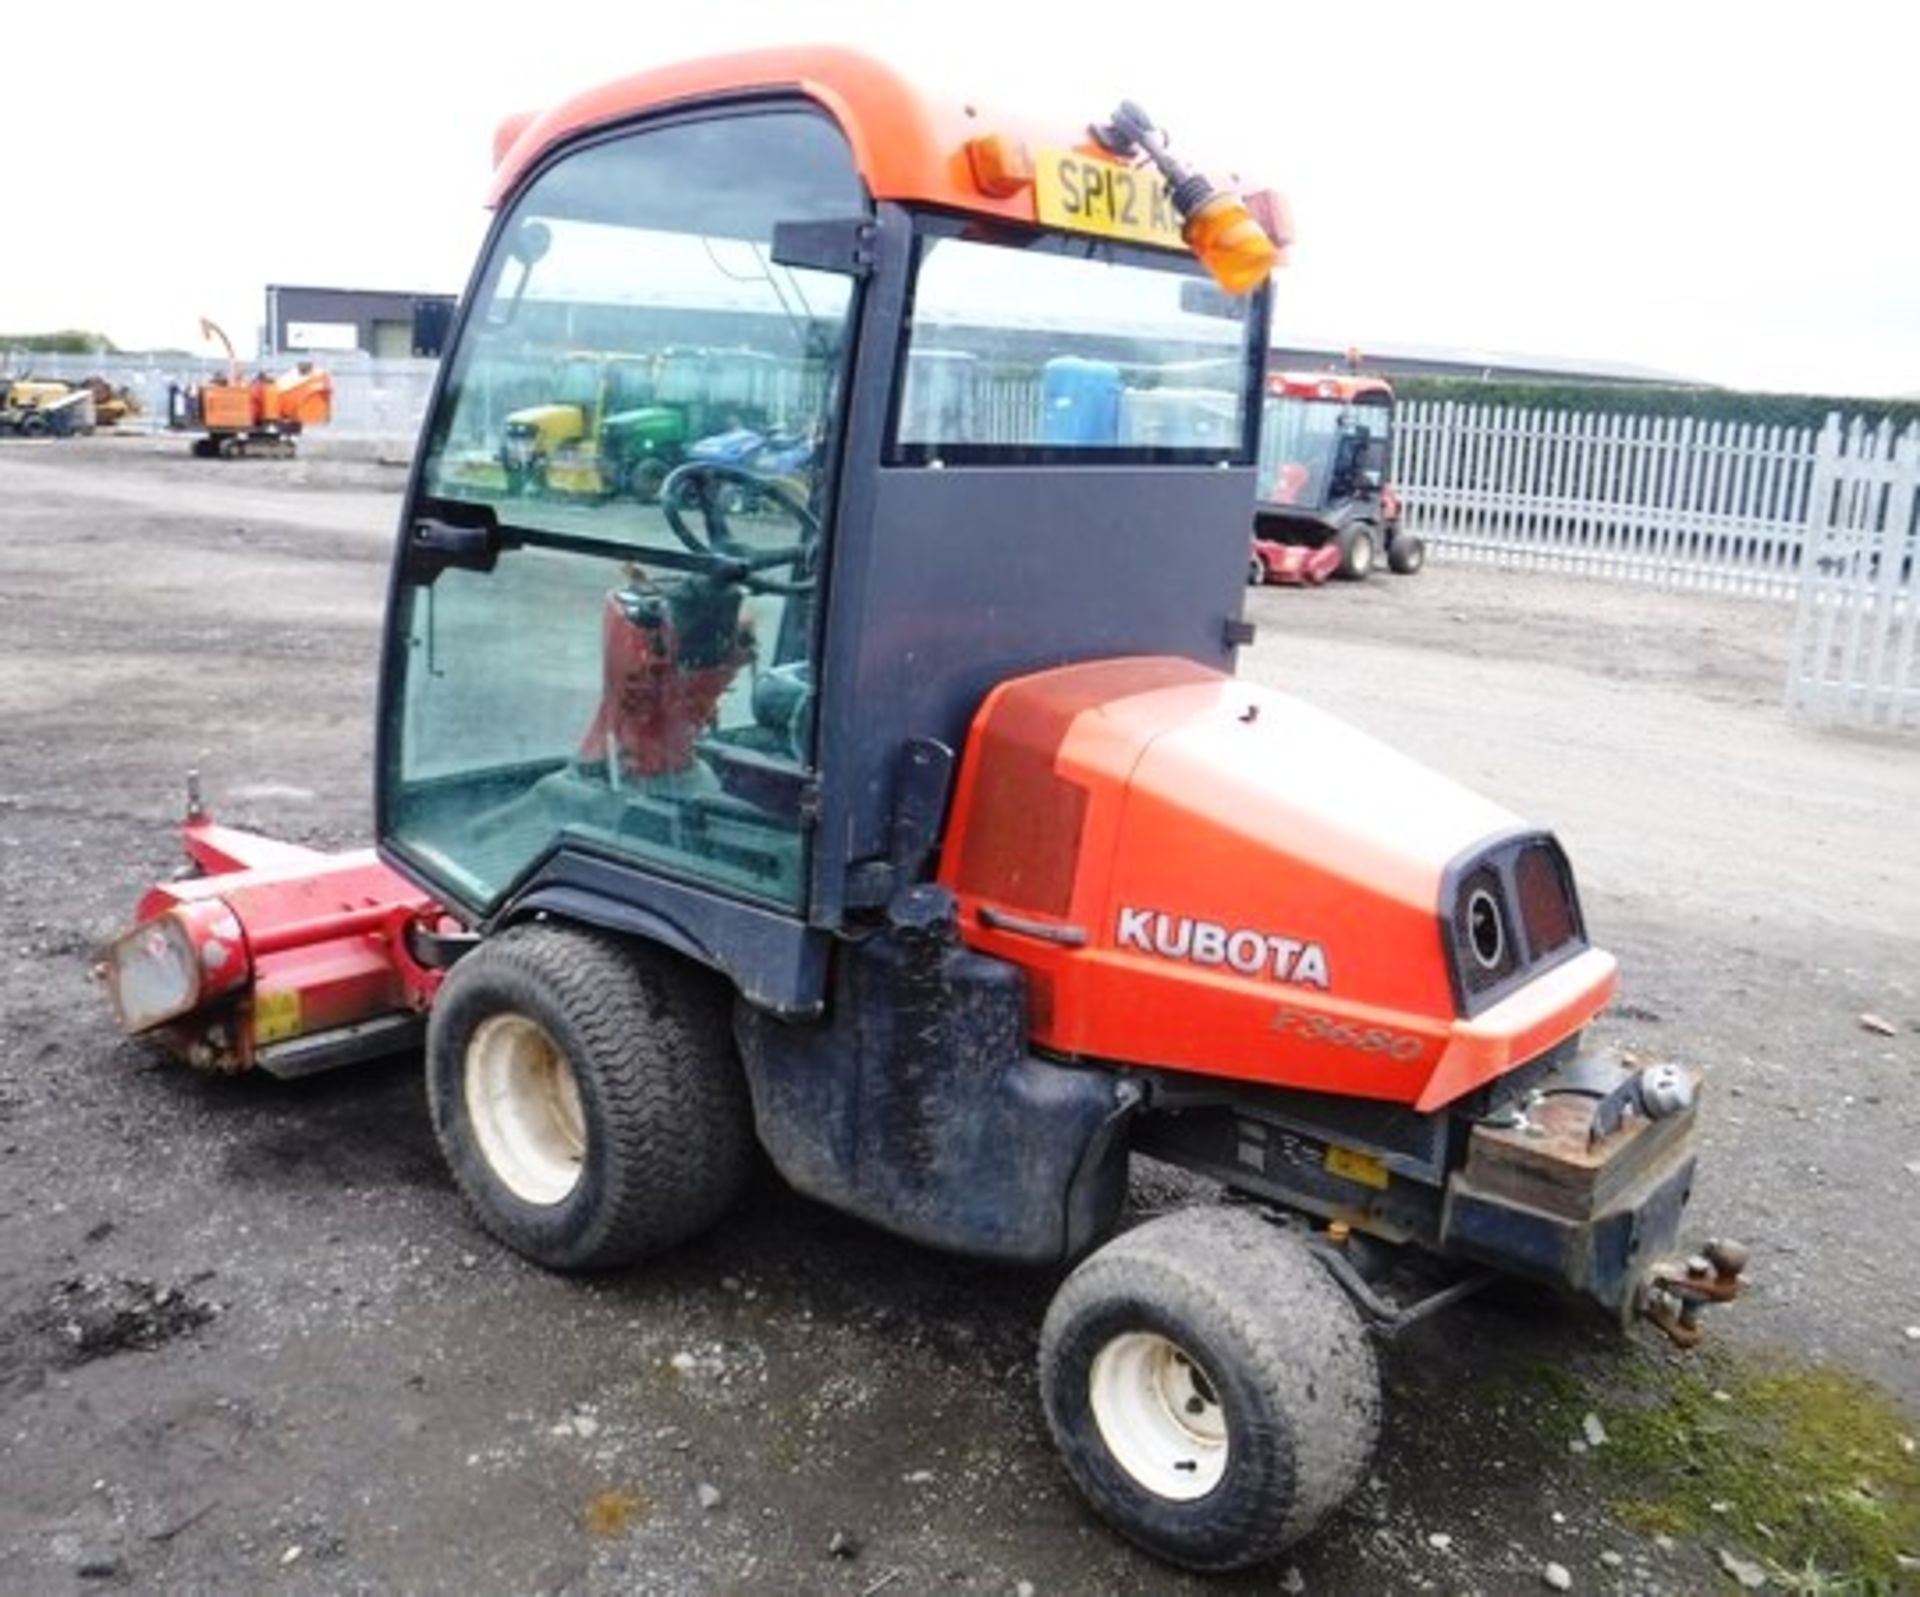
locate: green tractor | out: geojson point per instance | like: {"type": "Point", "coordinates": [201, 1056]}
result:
{"type": "Point", "coordinates": [619, 423]}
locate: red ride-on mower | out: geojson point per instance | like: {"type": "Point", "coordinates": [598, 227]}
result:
{"type": "Point", "coordinates": [1326, 448]}
{"type": "Point", "coordinates": [851, 828]}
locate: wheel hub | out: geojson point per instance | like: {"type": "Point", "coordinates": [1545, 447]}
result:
{"type": "Point", "coordinates": [524, 1106]}
{"type": "Point", "coordinates": [1160, 1415]}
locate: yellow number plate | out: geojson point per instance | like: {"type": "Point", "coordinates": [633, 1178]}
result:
{"type": "Point", "coordinates": [1355, 1166]}
{"type": "Point", "coordinates": [1084, 194]}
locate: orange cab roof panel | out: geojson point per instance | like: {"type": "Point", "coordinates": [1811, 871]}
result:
{"type": "Point", "coordinates": [907, 144]}
{"type": "Point", "coordinates": [1328, 385]}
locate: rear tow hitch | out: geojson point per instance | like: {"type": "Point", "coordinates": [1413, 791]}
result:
{"type": "Point", "coordinates": [1674, 1294]}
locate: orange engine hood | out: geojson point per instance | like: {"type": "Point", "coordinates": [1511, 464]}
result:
{"type": "Point", "coordinates": [1201, 874]}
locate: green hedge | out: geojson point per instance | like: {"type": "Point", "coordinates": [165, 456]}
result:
{"type": "Point", "coordinates": [68, 341]}
{"type": "Point", "coordinates": [1708, 404]}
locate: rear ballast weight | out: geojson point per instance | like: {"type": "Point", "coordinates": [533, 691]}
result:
{"type": "Point", "coordinates": [826, 812]}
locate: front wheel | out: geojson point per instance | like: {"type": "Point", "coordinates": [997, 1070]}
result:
{"type": "Point", "coordinates": [1211, 1389]}
{"type": "Point", "coordinates": [586, 1095]}
{"type": "Point", "coordinates": [1357, 549]}
{"type": "Point", "coordinates": [644, 478]}
{"type": "Point", "coordinates": [1256, 572]}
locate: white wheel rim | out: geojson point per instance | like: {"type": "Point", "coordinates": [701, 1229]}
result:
{"type": "Point", "coordinates": [1160, 1415]}
{"type": "Point", "coordinates": [524, 1106]}
{"type": "Point", "coordinates": [1362, 553]}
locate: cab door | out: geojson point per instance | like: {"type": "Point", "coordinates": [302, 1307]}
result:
{"type": "Point", "coordinates": [594, 660]}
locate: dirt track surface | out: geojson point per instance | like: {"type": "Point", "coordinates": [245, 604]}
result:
{"type": "Point", "coordinates": [249, 1341]}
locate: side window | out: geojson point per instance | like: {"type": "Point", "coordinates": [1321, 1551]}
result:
{"type": "Point", "coordinates": [645, 402]}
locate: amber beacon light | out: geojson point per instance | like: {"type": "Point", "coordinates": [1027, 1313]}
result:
{"type": "Point", "coordinates": [1218, 226]}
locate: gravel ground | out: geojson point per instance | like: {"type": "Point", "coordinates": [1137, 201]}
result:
{"type": "Point", "coordinates": [249, 1341]}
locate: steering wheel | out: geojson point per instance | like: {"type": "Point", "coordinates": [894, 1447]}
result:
{"type": "Point", "coordinates": [699, 480]}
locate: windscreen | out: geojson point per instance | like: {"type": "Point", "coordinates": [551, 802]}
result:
{"type": "Point", "coordinates": [1298, 438]}
{"type": "Point", "coordinates": [1034, 348]}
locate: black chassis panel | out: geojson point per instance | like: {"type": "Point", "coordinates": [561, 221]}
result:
{"type": "Point", "coordinates": [1272, 1148]}
{"type": "Point", "coordinates": [1272, 1145]}
{"type": "Point", "coordinates": [917, 1107]}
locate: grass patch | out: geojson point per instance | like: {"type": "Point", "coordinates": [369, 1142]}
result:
{"type": "Point", "coordinates": [1811, 1470]}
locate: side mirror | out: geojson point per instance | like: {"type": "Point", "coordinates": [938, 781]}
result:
{"type": "Point", "coordinates": [530, 242]}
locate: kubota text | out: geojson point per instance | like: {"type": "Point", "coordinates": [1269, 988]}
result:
{"type": "Point", "coordinates": [1204, 942]}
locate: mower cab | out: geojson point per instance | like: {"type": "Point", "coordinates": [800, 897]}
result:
{"type": "Point", "coordinates": [1326, 450]}
{"type": "Point", "coordinates": [899, 810]}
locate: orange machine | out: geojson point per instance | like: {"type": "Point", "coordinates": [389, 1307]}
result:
{"type": "Point", "coordinates": [258, 416]}
{"type": "Point", "coordinates": [907, 819]}
{"type": "Point", "coordinates": [1325, 505]}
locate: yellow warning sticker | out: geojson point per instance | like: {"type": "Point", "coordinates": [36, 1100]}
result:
{"type": "Point", "coordinates": [1360, 1167]}
{"type": "Point", "coordinates": [276, 1016]}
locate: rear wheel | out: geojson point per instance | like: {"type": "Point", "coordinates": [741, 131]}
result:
{"type": "Point", "coordinates": [1357, 549]}
{"type": "Point", "coordinates": [586, 1095]}
{"type": "Point", "coordinates": [1406, 554]}
{"type": "Point", "coordinates": [1211, 1390]}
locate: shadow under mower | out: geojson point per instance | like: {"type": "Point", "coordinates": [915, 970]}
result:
{"type": "Point", "coordinates": [675, 853]}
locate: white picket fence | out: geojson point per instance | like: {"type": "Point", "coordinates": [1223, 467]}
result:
{"type": "Point", "coordinates": [1856, 636]}
{"type": "Point", "coordinates": [1669, 499]}
{"type": "Point", "coordinates": [1829, 517]}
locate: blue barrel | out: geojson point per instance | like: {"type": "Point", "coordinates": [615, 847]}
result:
{"type": "Point", "coordinates": [1080, 402]}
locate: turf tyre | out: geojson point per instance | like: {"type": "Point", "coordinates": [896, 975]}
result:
{"type": "Point", "coordinates": [1283, 1353]}
{"type": "Point", "coordinates": [1359, 547]}
{"type": "Point", "coordinates": [661, 1098]}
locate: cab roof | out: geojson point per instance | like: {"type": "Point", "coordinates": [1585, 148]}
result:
{"type": "Point", "coordinates": [1343, 386]}
{"type": "Point", "coordinates": [908, 144]}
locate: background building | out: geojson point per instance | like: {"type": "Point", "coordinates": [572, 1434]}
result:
{"type": "Point", "coordinates": [382, 322]}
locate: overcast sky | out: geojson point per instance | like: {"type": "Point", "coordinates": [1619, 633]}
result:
{"type": "Point", "coordinates": [1725, 192]}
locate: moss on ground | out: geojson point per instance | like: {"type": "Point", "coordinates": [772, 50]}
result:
{"type": "Point", "coordinates": [1808, 1470]}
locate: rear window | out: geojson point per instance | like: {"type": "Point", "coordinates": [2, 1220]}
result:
{"type": "Point", "coordinates": [1033, 348]}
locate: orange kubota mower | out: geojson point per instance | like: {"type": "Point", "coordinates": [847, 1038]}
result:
{"type": "Point", "coordinates": [866, 824]}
